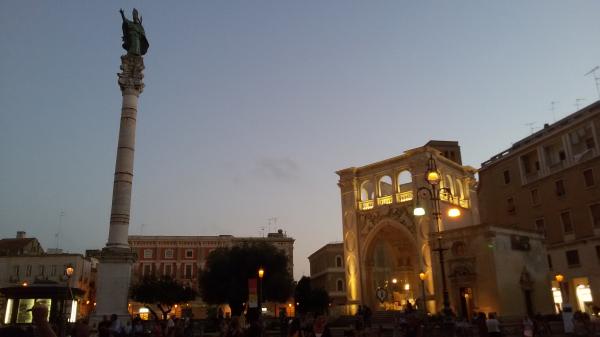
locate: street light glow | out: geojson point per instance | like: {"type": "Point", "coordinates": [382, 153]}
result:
{"type": "Point", "coordinates": [407, 287]}
{"type": "Point", "coordinates": [394, 280]}
{"type": "Point", "coordinates": [422, 276]}
{"type": "Point", "coordinates": [454, 212]}
{"type": "Point", "coordinates": [261, 272]}
{"type": "Point", "coordinates": [419, 211]}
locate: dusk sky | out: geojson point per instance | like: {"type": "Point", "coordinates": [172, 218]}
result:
{"type": "Point", "coordinates": [251, 106]}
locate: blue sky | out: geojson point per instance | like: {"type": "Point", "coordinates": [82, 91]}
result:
{"type": "Point", "coordinates": [251, 106]}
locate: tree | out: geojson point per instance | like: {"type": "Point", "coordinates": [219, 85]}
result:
{"type": "Point", "coordinates": [309, 299]}
{"type": "Point", "coordinates": [225, 276]}
{"type": "Point", "coordinates": [163, 292]}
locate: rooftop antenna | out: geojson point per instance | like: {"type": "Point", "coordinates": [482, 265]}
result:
{"type": "Point", "coordinates": [596, 78]}
{"type": "Point", "coordinates": [577, 101]}
{"type": "Point", "coordinates": [262, 230]}
{"type": "Point", "coordinates": [57, 234]}
{"type": "Point", "coordinates": [530, 125]}
{"type": "Point", "coordinates": [553, 108]}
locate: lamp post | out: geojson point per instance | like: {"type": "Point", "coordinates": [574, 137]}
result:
{"type": "Point", "coordinates": [261, 274]}
{"type": "Point", "coordinates": [69, 270]}
{"type": "Point", "coordinates": [423, 276]}
{"type": "Point", "coordinates": [433, 178]}
{"type": "Point", "coordinates": [567, 310]}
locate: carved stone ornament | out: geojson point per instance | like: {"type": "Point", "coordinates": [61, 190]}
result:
{"type": "Point", "coordinates": [369, 220]}
{"type": "Point", "coordinates": [131, 76]}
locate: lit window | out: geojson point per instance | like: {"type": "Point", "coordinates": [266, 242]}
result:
{"type": "Point", "coordinates": [588, 178]}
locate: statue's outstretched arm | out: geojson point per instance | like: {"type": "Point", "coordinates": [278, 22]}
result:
{"type": "Point", "coordinates": [122, 14]}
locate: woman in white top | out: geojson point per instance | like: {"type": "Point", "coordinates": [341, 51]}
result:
{"type": "Point", "coordinates": [493, 325]}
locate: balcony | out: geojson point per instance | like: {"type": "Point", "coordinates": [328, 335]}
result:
{"type": "Point", "coordinates": [365, 205]}
{"type": "Point", "coordinates": [386, 200]}
{"type": "Point", "coordinates": [404, 196]}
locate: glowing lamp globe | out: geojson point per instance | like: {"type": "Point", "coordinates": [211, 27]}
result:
{"type": "Point", "coordinates": [422, 276]}
{"type": "Point", "coordinates": [559, 278]}
{"type": "Point", "coordinates": [419, 211]}
{"type": "Point", "coordinates": [454, 212]}
{"type": "Point", "coordinates": [261, 273]}
{"type": "Point", "coordinates": [433, 177]}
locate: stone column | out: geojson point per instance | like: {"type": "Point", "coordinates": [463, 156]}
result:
{"type": "Point", "coordinates": [116, 259]}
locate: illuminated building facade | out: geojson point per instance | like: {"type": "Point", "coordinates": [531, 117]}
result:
{"type": "Point", "coordinates": [386, 247]}
{"type": "Point", "coordinates": [549, 182]}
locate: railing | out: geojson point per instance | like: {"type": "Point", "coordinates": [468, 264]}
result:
{"type": "Point", "coordinates": [386, 200]}
{"type": "Point", "coordinates": [404, 196]}
{"type": "Point", "coordinates": [364, 205]}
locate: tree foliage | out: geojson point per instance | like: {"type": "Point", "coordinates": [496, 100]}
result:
{"type": "Point", "coordinates": [309, 299]}
{"type": "Point", "coordinates": [163, 292]}
{"type": "Point", "coordinates": [225, 276]}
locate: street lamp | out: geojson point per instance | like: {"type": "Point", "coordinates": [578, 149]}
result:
{"type": "Point", "coordinates": [433, 178]}
{"type": "Point", "coordinates": [261, 274]}
{"type": "Point", "coordinates": [423, 276]}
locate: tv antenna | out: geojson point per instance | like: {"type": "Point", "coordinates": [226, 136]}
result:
{"type": "Point", "coordinates": [596, 78]}
{"type": "Point", "coordinates": [57, 234]}
{"type": "Point", "coordinates": [577, 101]}
{"type": "Point", "coordinates": [531, 128]}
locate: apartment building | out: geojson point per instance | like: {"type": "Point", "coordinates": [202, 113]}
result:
{"type": "Point", "coordinates": [550, 182]}
{"type": "Point", "coordinates": [327, 272]}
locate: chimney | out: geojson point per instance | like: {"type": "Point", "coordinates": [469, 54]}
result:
{"type": "Point", "coordinates": [21, 235]}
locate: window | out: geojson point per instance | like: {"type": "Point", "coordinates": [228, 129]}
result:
{"type": "Point", "coordinates": [338, 261]}
{"type": "Point", "coordinates": [168, 253]}
{"type": "Point", "coordinates": [189, 253]}
{"type": "Point", "coordinates": [595, 211]}
{"type": "Point", "coordinates": [560, 188]}
{"type": "Point", "coordinates": [506, 177]}
{"type": "Point", "coordinates": [28, 270]}
{"type": "Point", "coordinates": [53, 270]}
{"type": "Point", "coordinates": [147, 270]}
{"type": "Point", "coordinates": [535, 197]}
{"type": "Point", "coordinates": [572, 258]}
{"type": "Point", "coordinates": [588, 177]}
{"type": "Point", "coordinates": [510, 205]}
{"type": "Point", "coordinates": [589, 143]}
{"type": "Point", "coordinates": [16, 271]}
{"type": "Point", "coordinates": [41, 270]}
{"type": "Point", "coordinates": [147, 253]}
{"type": "Point", "coordinates": [540, 226]}
{"type": "Point", "coordinates": [565, 219]}
{"type": "Point", "coordinates": [168, 270]}
{"type": "Point", "coordinates": [549, 258]}
{"type": "Point", "coordinates": [340, 285]}
{"type": "Point", "coordinates": [188, 271]}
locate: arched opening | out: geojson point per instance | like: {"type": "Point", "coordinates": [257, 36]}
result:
{"type": "Point", "coordinates": [405, 186]}
{"type": "Point", "coordinates": [338, 261]}
{"type": "Point", "coordinates": [460, 194]}
{"type": "Point", "coordinates": [392, 263]}
{"type": "Point", "coordinates": [340, 285]}
{"type": "Point", "coordinates": [385, 186]}
{"type": "Point", "coordinates": [450, 184]}
{"type": "Point", "coordinates": [367, 192]}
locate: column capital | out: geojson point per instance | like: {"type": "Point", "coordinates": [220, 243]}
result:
{"type": "Point", "coordinates": [131, 76]}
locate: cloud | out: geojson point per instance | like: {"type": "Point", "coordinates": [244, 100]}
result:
{"type": "Point", "coordinates": [280, 169]}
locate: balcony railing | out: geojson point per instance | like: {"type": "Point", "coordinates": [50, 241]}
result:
{"type": "Point", "coordinates": [386, 200]}
{"type": "Point", "coordinates": [364, 205]}
{"type": "Point", "coordinates": [404, 196]}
